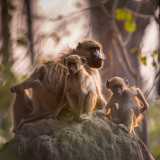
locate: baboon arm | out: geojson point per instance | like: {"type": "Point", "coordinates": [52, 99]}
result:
{"type": "Point", "coordinates": [142, 99]}
{"type": "Point", "coordinates": [26, 84]}
{"type": "Point", "coordinates": [81, 101]}
{"type": "Point", "coordinates": [71, 100]}
{"type": "Point", "coordinates": [60, 105]}
{"type": "Point", "coordinates": [110, 103]}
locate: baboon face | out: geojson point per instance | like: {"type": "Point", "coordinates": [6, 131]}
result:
{"type": "Point", "coordinates": [117, 85]}
{"type": "Point", "coordinates": [92, 51]}
{"type": "Point", "coordinates": [117, 90]}
{"type": "Point", "coordinates": [96, 57]}
{"type": "Point", "coordinates": [74, 63]}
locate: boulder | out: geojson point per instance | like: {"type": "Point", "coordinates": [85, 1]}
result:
{"type": "Point", "coordinates": [93, 139]}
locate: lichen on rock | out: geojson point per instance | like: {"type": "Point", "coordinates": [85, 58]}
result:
{"type": "Point", "coordinates": [93, 139]}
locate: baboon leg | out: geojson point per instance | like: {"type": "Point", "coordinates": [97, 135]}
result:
{"type": "Point", "coordinates": [26, 84]}
{"type": "Point", "coordinates": [22, 106]}
{"type": "Point", "coordinates": [90, 102]}
{"type": "Point", "coordinates": [33, 114]}
{"type": "Point", "coordinates": [58, 108]}
{"type": "Point", "coordinates": [100, 104]}
{"type": "Point", "coordinates": [72, 102]}
{"type": "Point", "coordinates": [114, 114]}
{"type": "Point", "coordinates": [129, 119]}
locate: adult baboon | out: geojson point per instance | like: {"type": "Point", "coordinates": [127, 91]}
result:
{"type": "Point", "coordinates": [47, 83]}
{"type": "Point", "coordinates": [92, 51]}
{"type": "Point", "coordinates": [94, 55]}
{"type": "Point", "coordinates": [129, 111]}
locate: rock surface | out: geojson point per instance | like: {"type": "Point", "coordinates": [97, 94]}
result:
{"type": "Point", "coordinates": [93, 139]}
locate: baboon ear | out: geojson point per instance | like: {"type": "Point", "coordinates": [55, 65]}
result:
{"type": "Point", "coordinates": [64, 61]}
{"type": "Point", "coordinates": [107, 83]}
{"type": "Point", "coordinates": [126, 81]}
{"type": "Point", "coordinates": [79, 46]}
{"type": "Point", "coordinates": [41, 72]}
{"type": "Point", "coordinates": [83, 60]}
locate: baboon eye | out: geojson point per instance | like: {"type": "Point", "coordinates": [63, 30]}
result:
{"type": "Point", "coordinates": [91, 48]}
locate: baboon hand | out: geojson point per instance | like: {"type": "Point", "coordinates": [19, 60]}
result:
{"type": "Point", "coordinates": [101, 112]}
{"type": "Point", "coordinates": [82, 117]}
{"type": "Point", "coordinates": [50, 116]}
{"type": "Point", "coordinates": [12, 89]}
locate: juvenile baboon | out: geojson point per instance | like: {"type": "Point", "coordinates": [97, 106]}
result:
{"type": "Point", "coordinates": [47, 83]}
{"type": "Point", "coordinates": [129, 110]}
{"type": "Point", "coordinates": [94, 55]}
{"type": "Point", "coordinates": [80, 89]}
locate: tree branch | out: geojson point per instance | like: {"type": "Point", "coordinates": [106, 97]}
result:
{"type": "Point", "coordinates": [111, 58]}
{"type": "Point", "coordinates": [119, 38]}
{"type": "Point", "coordinates": [134, 20]}
{"type": "Point", "coordinates": [137, 14]}
{"type": "Point", "coordinates": [119, 57]}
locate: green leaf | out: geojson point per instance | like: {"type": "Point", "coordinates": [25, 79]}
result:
{"type": "Point", "coordinates": [154, 63]}
{"type": "Point", "coordinates": [134, 49]}
{"type": "Point", "coordinates": [142, 59]}
{"type": "Point", "coordinates": [130, 26]}
{"type": "Point", "coordinates": [122, 15]}
{"type": "Point", "coordinates": [154, 53]}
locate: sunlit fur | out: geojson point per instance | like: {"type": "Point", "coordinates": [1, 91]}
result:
{"type": "Point", "coordinates": [90, 67]}
{"type": "Point", "coordinates": [129, 110]}
{"type": "Point", "coordinates": [46, 93]}
{"type": "Point", "coordinates": [80, 90]}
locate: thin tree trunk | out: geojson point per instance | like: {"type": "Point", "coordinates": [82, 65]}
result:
{"type": "Point", "coordinates": [29, 23]}
{"type": "Point", "coordinates": [5, 19]}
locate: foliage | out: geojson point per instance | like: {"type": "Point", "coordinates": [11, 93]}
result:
{"type": "Point", "coordinates": [142, 58]}
{"type": "Point", "coordinates": [122, 15]}
{"type": "Point", "coordinates": [154, 131]}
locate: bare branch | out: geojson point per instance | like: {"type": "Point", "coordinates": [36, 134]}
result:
{"type": "Point", "coordinates": [119, 57]}
{"type": "Point", "coordinates": [118, 36]}
{"type": "Point", "coordinates": [137, 14]}
{"type": "Point", "coordinates": [134, 20]}
{"type": "Point", "coordinates": [111, 58]}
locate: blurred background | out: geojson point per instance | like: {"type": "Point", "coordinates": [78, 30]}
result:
{"type": "Point", "coordinates": [34, 31]}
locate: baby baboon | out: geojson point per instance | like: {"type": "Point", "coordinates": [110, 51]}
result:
{"type": "Point", "coordinates": [47, 83]}
{"type": "Point", "coordinates": [129, 110]}
{"type": "Point", "coordinates": [80, 89]}
{"type": "Point", "coordinates": [94, 55]}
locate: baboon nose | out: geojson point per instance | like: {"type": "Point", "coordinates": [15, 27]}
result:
{"type": "Point", "coordinates": [101, 59]}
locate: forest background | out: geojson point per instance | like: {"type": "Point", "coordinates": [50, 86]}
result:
{"type": "Point", "coordinates": [34, 31]}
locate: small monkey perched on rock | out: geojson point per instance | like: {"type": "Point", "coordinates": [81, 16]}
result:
{"type": "Point", "coordinates": [129, 110]}
{"type": "Point", "coordinates": [80, 89]}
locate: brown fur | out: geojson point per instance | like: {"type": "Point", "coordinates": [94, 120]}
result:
{"type": "Point", "coordinates": [47, 83]}
{"type": "Point", "coordinates": [22, 103]}
{"type": "Point", "coordinates": [90, 67]}
{"type": "Point", "coordinates": [80, 90]}
{"type": "Point", "coordinates": [129, 110]}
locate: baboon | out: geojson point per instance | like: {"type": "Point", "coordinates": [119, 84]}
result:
{"type": "Point", "coordinates": [94, 55]}
{"type": "Point", "coordinates": [92, 51]}
{"type": "Point", "coordinates": [47, 83]}
{"type": "Point", "coordinates": [80, 89]}
{"type": "Point", "coordinates": [129, 110]}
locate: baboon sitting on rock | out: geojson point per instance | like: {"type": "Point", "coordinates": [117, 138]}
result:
{"type": "Point", "coordinates": [92, 51]}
